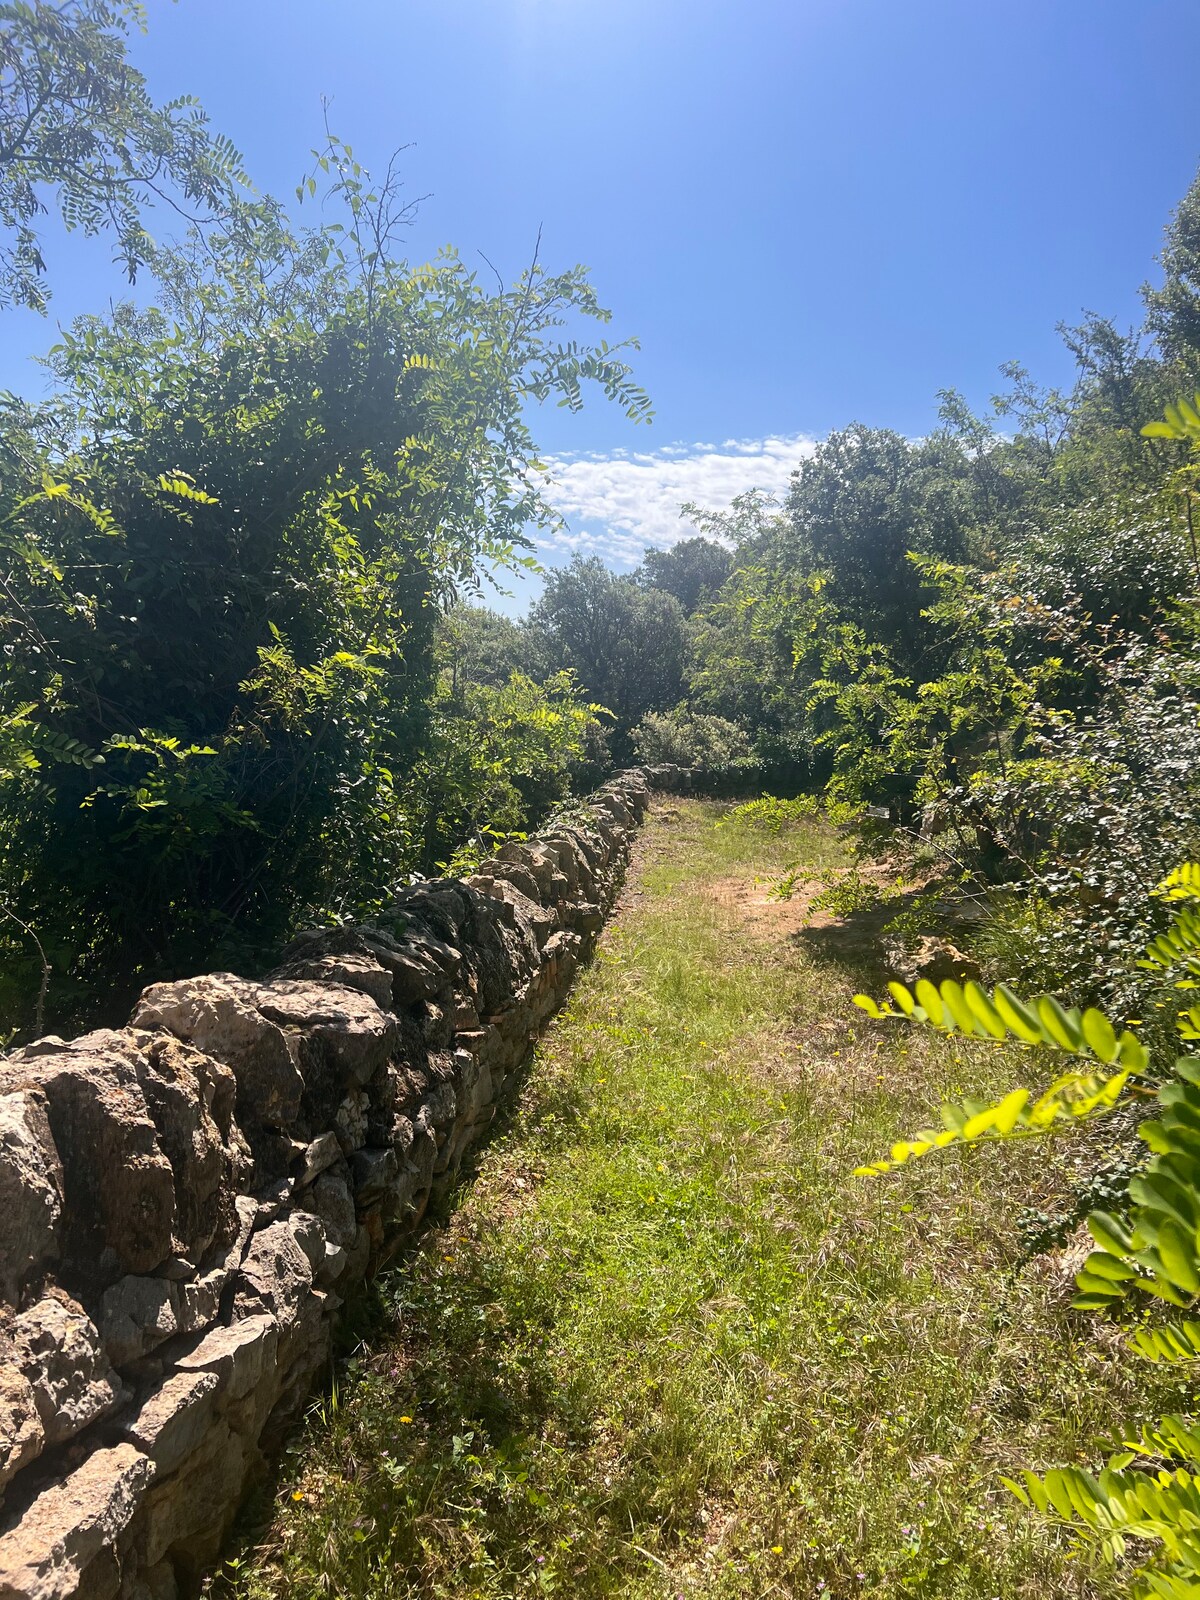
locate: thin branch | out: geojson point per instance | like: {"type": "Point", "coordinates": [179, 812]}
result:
{"type": "Point", "coordinates": [44, 987]}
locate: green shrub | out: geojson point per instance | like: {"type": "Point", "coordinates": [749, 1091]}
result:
{"type": "Point", "coordinates": [684, 738]}
{"type": "Point", "coordinates": [769, 814]}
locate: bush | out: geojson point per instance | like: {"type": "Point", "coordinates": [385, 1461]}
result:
{"type": "Point", "coordinates": [683, 738]}
{"type": "Point", "coordinates": [498, 760]}
{"type": "Point", "coordinates": [769, 814]}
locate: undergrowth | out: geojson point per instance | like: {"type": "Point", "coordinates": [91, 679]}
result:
{"type": "Point", "coordinates": [664, 1345]}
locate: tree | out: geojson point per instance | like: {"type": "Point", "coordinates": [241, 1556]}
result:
{"type": "Point", "coordinates": [686, 738]}
{"type": "Point", "coordinates": [625, 643]}
{"type": "Point", "coordinates": [692, 570]}
{"type": "Point", "coordinates": [484, 647]}
{"type": "Point", "coordinates": [859, 504]}
{"type": "Point", "coordinates": [1173, 310]}
{"type": "Point", "coordinates": [77, 121]}
{"type": "Point", "coordinates": [498, 757]}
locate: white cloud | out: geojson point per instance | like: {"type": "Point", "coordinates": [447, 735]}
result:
{"type": "Point", "coordinates": [616, 505]}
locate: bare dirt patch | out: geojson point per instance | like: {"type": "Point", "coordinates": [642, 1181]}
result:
{"type": "Point", "coordinates": [749, 901]}
{"type": "Point", "coordinates": [756, 907]}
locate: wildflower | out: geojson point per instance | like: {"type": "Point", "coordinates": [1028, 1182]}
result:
{"type": "Point", "coordinates": [298, 1494]}
{"type": "Point", "coordinates": [405, 1419]}
{"type": "Point", "coordinates": [776, 1549]}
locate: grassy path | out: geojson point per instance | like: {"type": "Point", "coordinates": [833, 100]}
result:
{"type": "Point", "coordinates": [666, 1346]}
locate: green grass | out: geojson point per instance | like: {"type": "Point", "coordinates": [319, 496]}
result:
{"type": "Point", "coordinates": [665, 1345]}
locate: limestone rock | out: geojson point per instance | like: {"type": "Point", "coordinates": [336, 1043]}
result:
{"type": "Point", "coordinates": [352, 1120]}
{"type": "Point", "coordinates": [516, 873]}
{"type": "Point", "coordinates": [585, 918]}
{"type": "Point", "coordinates": [317, 952]}
{"type": "Point", "coordinates": [199, 1302]}
{"type": "Point", "coordinates": [423, 1154]}
{"type": "Point", "coordinates": [350, 969]}
{"type": "Point", "coordinates": [565, 860]}
{"type": "Point", "coordinates": [155, 1583]}
{"type": "Point", "coordinates": [275, 1276]}
{"type": "Point", "coordinates": [437, 954]}
{"type": "Point", "coordinates": [171, 1422]}
{"type": "Point", "coordinates": [191, 1097]}
{"type": "Point", "coordinates": [359, 1253]}
{"type": "Point", "coordinates": [63, 1357]}
{"type": "Point", "coordinates": [331, 1200]}
{"type": "Point", "coordinates": [119, 1189]}
{"type": "Point", "coordinates": [188, 1514]}
{"type": "Point", "coordinates": [136, 1316]}
{"type": "Point", "coordinates": [31, 1185]}
{"type": "Point", "coordinates": [48, 1553]}
{"type": "Point", "coordinates": [320, 1153]}
{"type": "Point", "coordinates": [415, 980]}
{"type": "Point", "coordinates": [538, 861]}
{"type": "Point", "coordinates": [240, 1355]}
{"type": "Point", "coordinates": [273, 1200]}
{"type": "Point", "coordinates": [229, 1258]}
{"type": "Point", "coordinates": [373, 1171]}
{"type": "Point", "coordinates": [334, 1264]}
{"type": "Point", "coordinates": [309, 1233]}
{"type": "Point", "coordinates": [218, 1015]}
{"type": "Point", "coordinates": [540, 921]}
{"type": "Point", "coordinates": [474, 1087]}
{"type": "Point", "coordinates": [22, 1435]}
{"type": "Point", "coordinates": [353, 1035]}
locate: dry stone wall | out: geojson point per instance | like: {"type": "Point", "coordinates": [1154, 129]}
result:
{"type": "Point", "coordinates": [186, 1202]}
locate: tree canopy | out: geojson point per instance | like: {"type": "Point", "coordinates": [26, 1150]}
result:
{"type": "Point", "coordinates": [80, 131]}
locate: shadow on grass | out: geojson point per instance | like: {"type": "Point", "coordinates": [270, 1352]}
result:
{"type": "Point", "coordinates": [438, 1432]}
{"type": "Point", "coordinates": [857, 943]}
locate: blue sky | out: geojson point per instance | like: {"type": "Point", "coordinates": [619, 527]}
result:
{"type": "Point", "coordinates": [809, 211]}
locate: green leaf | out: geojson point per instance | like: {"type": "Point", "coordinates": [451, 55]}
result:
{"type": "Point", "coordinates": [1177, 1252]}
{"type": "Point", "coordinates": [1100, 1035]}
{"type": "Point", "coordinates": [1109, 1234]}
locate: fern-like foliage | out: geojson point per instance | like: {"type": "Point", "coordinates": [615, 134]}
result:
{"type": "Point", "coordinates": [1178, 949]}
{"type": "Point", "coordinates": [1160, 1254]}
{"type": "Point", "coordinates": [183, 487]}
{"type": "Point", "coordinates": [1149, 1492]}
{"type": "Point", "coordinates": [969, 1011]}
{"type": "Point", "coordinates": [1116, 1505]}
{"type": "Point", "coordinates": [1183, 883]}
